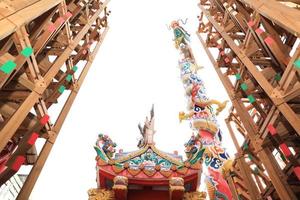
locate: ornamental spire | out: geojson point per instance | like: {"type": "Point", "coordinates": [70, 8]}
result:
{"type": "Point", "coordinates": [206, 144]}
{"type": "Point", "coordinates": [147, 131]}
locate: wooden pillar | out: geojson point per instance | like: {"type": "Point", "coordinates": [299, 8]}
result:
{"type": "Point", "coordinates": [246, 171]}
{"type": "Point", "coordinates": [277, 177]}
{"type": "Point", "coordinates": [232, 186]}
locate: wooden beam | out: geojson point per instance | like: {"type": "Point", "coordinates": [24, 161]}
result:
{"type": "Point", "coordinates": [37, 168]}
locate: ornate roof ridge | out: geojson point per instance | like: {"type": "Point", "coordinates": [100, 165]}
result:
{"type": "Point", "coordinates": [155, 150]}
{"type": "Point", "coordinates": [132, 154]}
{"type": "Point", "coordinates": [166, 156]}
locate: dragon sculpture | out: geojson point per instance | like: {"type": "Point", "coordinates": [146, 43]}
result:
{"type": "Point", "coordinates": [105, 144]}
{"type": "Point", "coordinates": [206, 141]}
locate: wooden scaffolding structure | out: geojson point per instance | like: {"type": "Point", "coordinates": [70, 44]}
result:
{"type": "Point", "coordinates": [254, 48]}
{"type": "Point", "coordinates": [46, 50]}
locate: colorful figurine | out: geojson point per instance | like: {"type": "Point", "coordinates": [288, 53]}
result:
{"type": "Point", "coordinates": [106, 145]}
{"type": "Point", "coordinates": [181, 36]}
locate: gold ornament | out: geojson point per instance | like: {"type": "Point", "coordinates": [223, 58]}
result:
{"type": "Point", "coordinates": [101, 194]}
{"type": "Point", "coordinates": [194, 196]}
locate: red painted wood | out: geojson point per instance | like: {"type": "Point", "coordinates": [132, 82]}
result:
{"type": "Point", "coordinates": [51, 28]}
{"type": "Point", "coordinates": [177, 195]}
{"type": "Point", "coordinates": [272, 129]}
{"type": "Point", "coordinates": [107, 172]}
{"type": "Point", "coordinates": [34, 136]}
{"type": "Point", "coordinates": [44, 119]}
{"type": "Point", "coordinates": [120, 194]}
{"type": "Point", "coordinates": [269, 40]}
{"type": "Point", "coordinates": [285, 150]}
{"type": "Point", "coordinates": [259, 31]}
{"type": "Point", "coordinates": [148, 195]}
{"type": "Point", "coordinates": [18, 163]}
{"type": "Point", "coordinates": [68, 14]}
{"type": "Point", "coordinates": [297, 172]}
{"type": "Point", "coordinates": [251, 23]}
{"type": "Point", "coordinates": [61, 20]}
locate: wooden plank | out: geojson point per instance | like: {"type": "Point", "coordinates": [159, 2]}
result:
{"type": "Point", "coordinates": [12, 125]}
{"type": "Point", "coordinates": [35, 172]}
{"type": "Point", "coordinates": [14, 122]}
{"type": "Point", "coordinates": [16, 118]}
{"type": "Point", "coordinates": [55, 67]}
{"type": "Point", "coordinates": [232, 188]}
{"type": "Point", "coordinates": [7, 27]}
{"type": "Point", "coordinates": [285, 16]}
{"type": "Point", "coordinates": [277, 178]}
{"type": "Point", "coordinates": [37, 168]}
{"type": "Point", "coordinates": [1, 16]}
{"type": "Point", "coordinates": [274, 94]}
{"type": "Point", "coordinates": [19, 4]}
{"type": "Point", "coordinates": [248, 181]}
{"type": "Point", "coordinates": [27, 14]}
{"type": "Point", "coordinates": [290, 73]}
{"type": "Point", "coordinates": [234, 139]}
{"type": "Point", "coordinates": [6, 9]}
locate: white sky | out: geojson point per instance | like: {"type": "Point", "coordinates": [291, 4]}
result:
{"type": "Point", "coordinates": [135, 67]}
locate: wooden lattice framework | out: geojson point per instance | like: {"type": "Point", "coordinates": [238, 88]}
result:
{"type": "Point", "coordinates": [46, 47]}
{"type": "Point", "coordinates": [254, 48]}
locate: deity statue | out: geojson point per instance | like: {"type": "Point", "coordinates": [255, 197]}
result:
{"type": "Point", "coordinates": [147, 131]}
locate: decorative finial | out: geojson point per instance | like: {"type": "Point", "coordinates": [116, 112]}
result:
{"type": "Point", "coordinates": [147, 131]}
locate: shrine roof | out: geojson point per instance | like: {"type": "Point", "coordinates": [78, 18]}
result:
{"type": "Point", "coordinates": [150, 156]}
